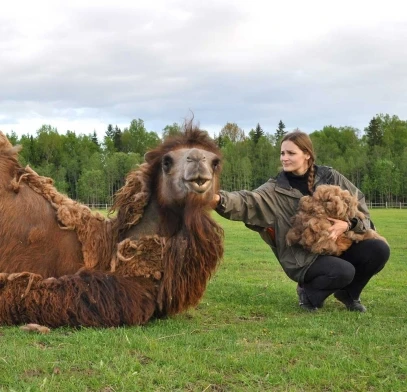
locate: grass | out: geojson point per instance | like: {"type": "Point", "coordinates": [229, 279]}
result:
{"type": "Point", "coordinates": [247, 334]}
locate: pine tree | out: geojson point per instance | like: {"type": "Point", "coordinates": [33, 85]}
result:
{"type": "Point", "coordinates": [374, 132]}
{"type": "Point", "coordinates": [257, 134]}
{"type": "Point", "coordinates": [117, 138]}
{"type": "Point", "coordinates": [95, 138]}
{"type": "Point", "coordinates": [110, 132]}
{"type": "Point", "coordinates": [280, 132]}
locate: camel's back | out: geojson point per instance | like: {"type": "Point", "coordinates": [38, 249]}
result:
{"type": "Point", "coordinates": [30, 237]}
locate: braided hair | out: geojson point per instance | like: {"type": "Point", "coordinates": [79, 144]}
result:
{"type": "Point", "coordinates": [304, 143]}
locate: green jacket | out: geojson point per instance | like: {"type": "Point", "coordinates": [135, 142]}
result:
{"type": "Point", "coordinates": [273, 204]}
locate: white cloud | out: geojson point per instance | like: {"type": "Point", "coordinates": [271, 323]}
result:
{"type": "Point", "coordinates": [81, 65]}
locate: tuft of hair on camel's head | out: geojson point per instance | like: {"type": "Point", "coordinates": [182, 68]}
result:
{"type": "Point", "coordinates": [310, 226]}
{"type": "Point", "coordinates": [61, 264]}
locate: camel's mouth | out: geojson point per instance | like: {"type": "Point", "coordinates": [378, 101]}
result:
{"type": "Point", "coordinates": [198, 185]}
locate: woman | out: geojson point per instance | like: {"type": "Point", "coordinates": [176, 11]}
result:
{"type": "Point", "coordinates": [269, 208]}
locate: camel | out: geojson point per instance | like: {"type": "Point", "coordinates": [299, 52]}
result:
{"type": "Point", "coordinates": [63, 265]}
{"type": "Point", "coordinates": [310, 224]}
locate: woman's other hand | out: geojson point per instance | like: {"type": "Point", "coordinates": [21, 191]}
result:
{"type": "Point", "coordinates": [338, 227]}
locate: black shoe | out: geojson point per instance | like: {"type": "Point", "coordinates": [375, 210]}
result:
{"type": "Point", "coordinates": [304, 301]}
{"type": "Point", "coordinates": [354, 305]}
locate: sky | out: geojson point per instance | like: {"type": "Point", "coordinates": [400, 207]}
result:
{"type": "Point", "coordinates": [81, 65]}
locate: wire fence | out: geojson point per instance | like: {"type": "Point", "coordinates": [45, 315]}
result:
{"type": "Point", "coordinates": [398, 205]}
{"type": "Point", "coordinates": [105, 206]}
{"type": "Point", "coordinates": [370, 205]}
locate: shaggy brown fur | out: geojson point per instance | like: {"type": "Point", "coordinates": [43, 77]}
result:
{"type": "Point", "coordinates": [63, 265]}
{"type": "Point", "coordinates": [310, 225]}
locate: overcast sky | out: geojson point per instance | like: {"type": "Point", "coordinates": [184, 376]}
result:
{"type": "Point", "coordinates": [80, 65]}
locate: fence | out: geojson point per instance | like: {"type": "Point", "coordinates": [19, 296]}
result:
{"type": "Point", "coordinates": [99, 206]}
{"type": "Point", "coordinates": [370, 205]}
{"type": "Point", "coordinates": [387, 205]}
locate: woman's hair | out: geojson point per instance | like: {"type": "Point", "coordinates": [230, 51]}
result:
{"type": "Point", "coordinates": [304, 143]}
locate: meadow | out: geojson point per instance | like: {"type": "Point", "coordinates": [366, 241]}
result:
{"type": "Point", "coordinates": [247, 334]}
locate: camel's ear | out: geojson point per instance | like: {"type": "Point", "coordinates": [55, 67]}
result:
{"type": "Point", "coordinates": [148, 156]}
{"type": "Point", "coordinates": [4, 142]}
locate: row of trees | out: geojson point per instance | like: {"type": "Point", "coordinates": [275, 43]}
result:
{"type": "Point", "coordinates": [91, 171]}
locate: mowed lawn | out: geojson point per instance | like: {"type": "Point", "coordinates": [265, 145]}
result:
{"type": "Point", "coordinates": [248, 334]}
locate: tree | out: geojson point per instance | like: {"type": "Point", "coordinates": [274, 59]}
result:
{"type": "Point", "coordinates": [95, 138]}
{"type": "Point", "coordinates": [384, 182]}
{"type": "Point", "coordinates": [110, 132]}
{"type": "Point", "coordinates": [374, 132]}
{"type": "Point", "coordinates": [264, 157]}
{"type": "Point", "coordinates": [256, 134]}
{"type": "Point", "coordinates": [117, 166]}
{"type": "Point", "coordinates": [13, 138]}
{"type": "Point", "coordinates": [49, 145]}
{"type": "Point", "coordinates": [117, 139]}
{"type": "Point", "coordinates": [92, 186]}
{"type": "Point", "coordinates": [394, 135]}
{"type": "Point", "coordinates": [231, 132]}
{"type": "Point", "coordinates": [280, 132]}
{"type": "Point", "coordinates": [137, 139]}
{"type": "Point", "coordinates": [342, 149]}
{"type": "Point", "coordinates": [113, 139]}
{"type": "Point", "coordinates": [219, 140]}
{"type": "Point", "coordinates": [171, 130]}
{"type": "Point", "coordinates": [29, 155]}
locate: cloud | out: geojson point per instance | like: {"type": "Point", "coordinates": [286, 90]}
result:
{"type": "Point", "coordinates": [80, 66]}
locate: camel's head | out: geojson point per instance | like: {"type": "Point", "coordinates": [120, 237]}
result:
{"type": "Point", "coordinates": [188, 168]}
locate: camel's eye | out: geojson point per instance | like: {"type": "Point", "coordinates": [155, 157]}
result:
{"type": "Point", "coordinates": [215, 163]}
{"type": "Point", "coordinates": [167, 162]}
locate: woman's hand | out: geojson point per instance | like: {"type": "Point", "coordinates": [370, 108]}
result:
{"type": "Point", "coordinates": [215, 200]}
{"type": "Point", "coordinates": [338, 227]}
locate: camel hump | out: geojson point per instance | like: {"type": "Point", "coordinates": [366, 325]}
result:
{"type": "Point", "coordinates": [6, 146]}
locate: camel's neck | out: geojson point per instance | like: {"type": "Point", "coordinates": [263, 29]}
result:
{"type": "Point", "coordinates": [148, 225]}
{"type": "Point", "coordinates": [190, 258]}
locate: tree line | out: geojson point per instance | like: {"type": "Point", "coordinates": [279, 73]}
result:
{"type": "Point", "coordinates": [91, 171]}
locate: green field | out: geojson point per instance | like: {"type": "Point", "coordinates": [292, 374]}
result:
{"type": "Point", "coordinates": [248, 334]}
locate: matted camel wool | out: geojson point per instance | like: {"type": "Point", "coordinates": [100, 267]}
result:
{"type": "Point", "coordinates": [310, 225]}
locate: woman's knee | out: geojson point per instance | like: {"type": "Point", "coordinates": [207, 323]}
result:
{"type": "Point", "coordinates": [371, 251]}
{"type": "Point", "coordinates": [381, 250]}
{"type": "Point", "coordinates": [338, 272]}
{"type": "Point", "coordinates": [345, 273]}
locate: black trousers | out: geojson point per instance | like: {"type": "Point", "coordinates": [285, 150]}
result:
{"type": "Point", "coordinates": [351, 271]}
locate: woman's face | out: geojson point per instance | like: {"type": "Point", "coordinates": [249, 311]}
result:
{"type": "Point", "coordinates": [293, 159]}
